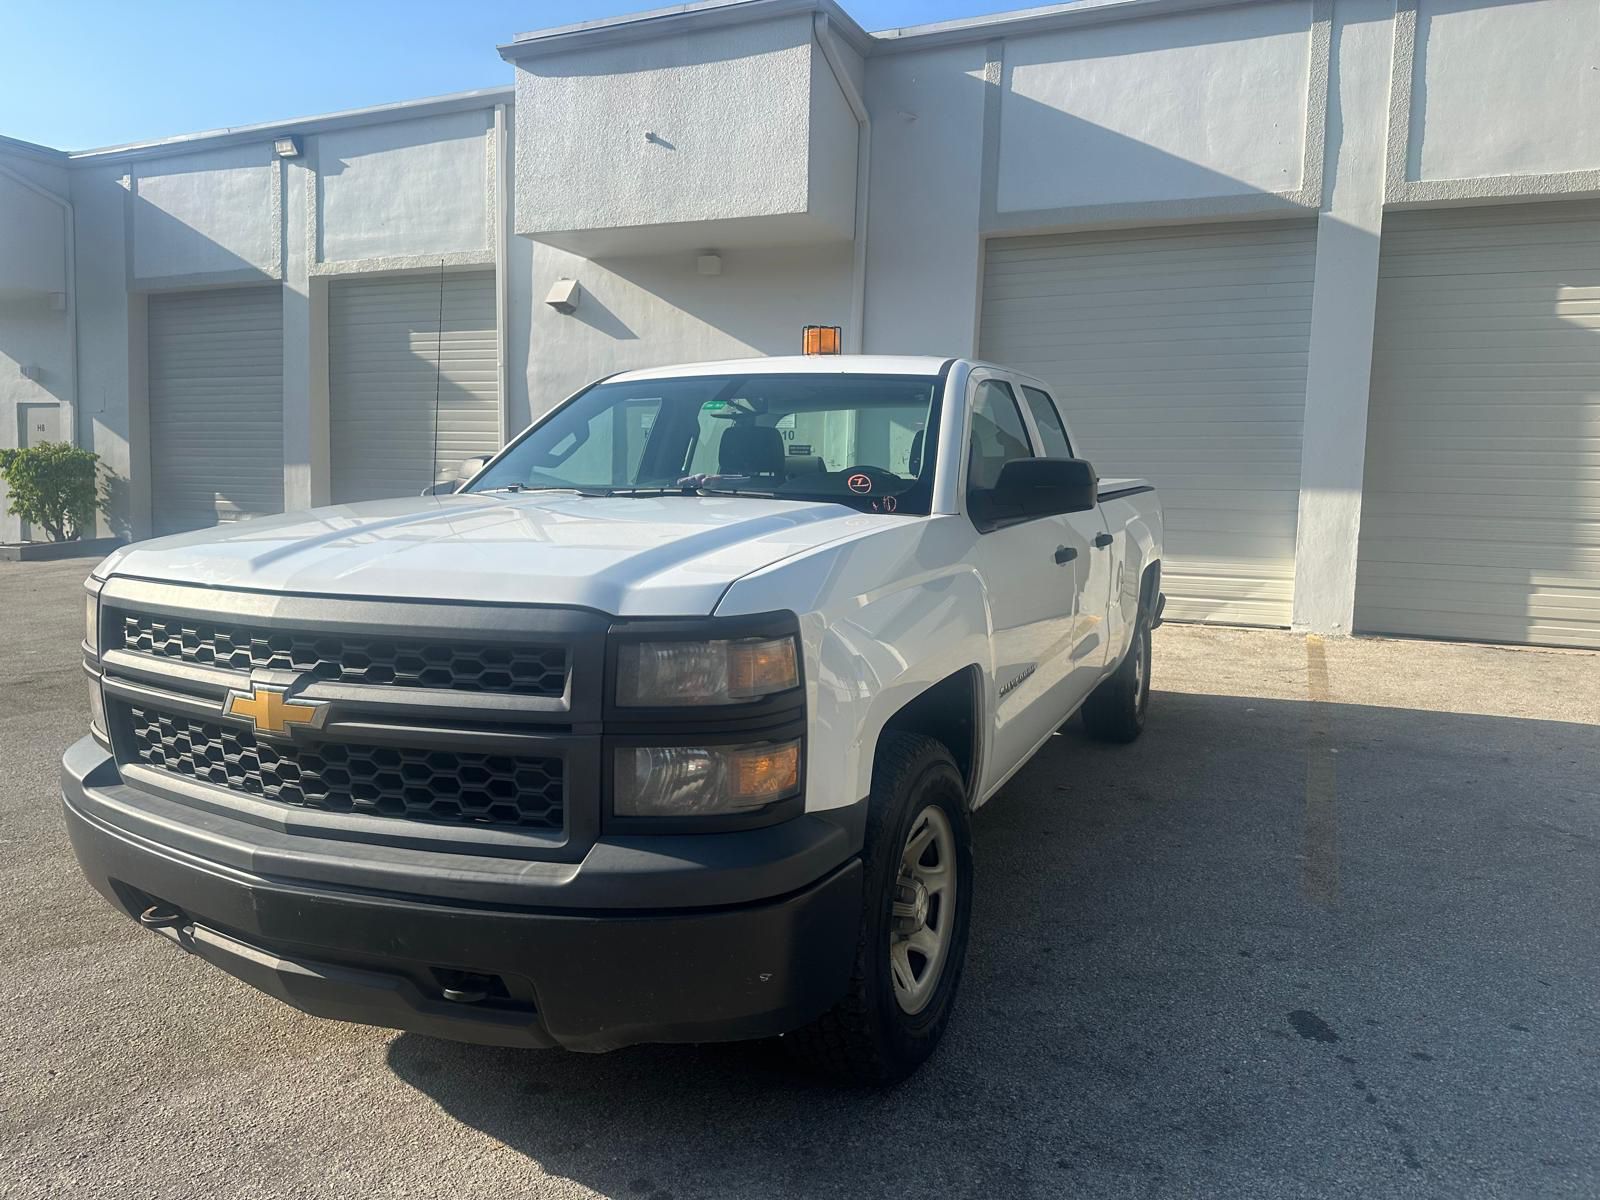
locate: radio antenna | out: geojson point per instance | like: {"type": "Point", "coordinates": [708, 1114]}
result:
{"type": "Point", "coordinates": [438, 369]}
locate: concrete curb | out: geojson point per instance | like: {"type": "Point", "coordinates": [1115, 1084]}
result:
{"type": "Point", "coordinates": [51, 551]}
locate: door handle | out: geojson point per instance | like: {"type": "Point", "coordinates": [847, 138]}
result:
{"type": "Point", "coordinates": [1065, 554]}
{"type": "Point", "coordinates": [1102, 540]}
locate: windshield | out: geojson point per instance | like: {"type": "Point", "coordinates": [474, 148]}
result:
{"type": "Point", "coordinates": [861, 440]}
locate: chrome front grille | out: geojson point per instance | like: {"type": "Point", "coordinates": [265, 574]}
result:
{"type": "Point", "coordinates": [517, 670]}
{"type": "Point", "coordinates": [455, 786]}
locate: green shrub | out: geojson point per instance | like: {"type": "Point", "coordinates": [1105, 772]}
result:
{"type": "Point", "coordinates": [55, 486]}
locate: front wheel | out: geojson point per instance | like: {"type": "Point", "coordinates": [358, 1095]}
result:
{"type": "Point", "coordinates": [912, 940]}
{"type": "Point", "coordinates": [1115, 711]}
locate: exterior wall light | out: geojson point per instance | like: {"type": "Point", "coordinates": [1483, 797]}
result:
{"type": "Point", "coordinates": [287, 147]}
{"type": "Point", "coordinates": [564, 295]}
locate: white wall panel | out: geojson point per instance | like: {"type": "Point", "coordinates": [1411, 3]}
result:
{"type": "Point", "coordinates": [1194, 105]}
{"type": "Point", "coordinates": [1505, 89]}
{"type": "Point", "coordinates": [207, 212]}
{"type": "Point", "coordinates": [406, 188]}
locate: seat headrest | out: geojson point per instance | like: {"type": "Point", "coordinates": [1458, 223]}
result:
{"type": "Point", "coordinates": [750, 450]}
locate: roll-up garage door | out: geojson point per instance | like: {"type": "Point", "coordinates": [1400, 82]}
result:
{"type": "Point", "coordinates": [216, 406]}
{"type": "Point", "coordinates": [387, 349]}
{"type": "Point", "coordinates": [1481, 510]}
{"type": "Point", "coordinates": [1180, 355]}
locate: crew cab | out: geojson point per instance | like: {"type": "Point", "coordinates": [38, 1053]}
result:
{"type": "Point", "coordinates": [666, 725]}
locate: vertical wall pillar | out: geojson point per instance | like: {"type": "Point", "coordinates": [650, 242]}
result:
{"type": "Point", "coordinates": [1343, 305]}
{"type": "Point", "coordinates": [930, 113]}
{"type": "Point", "coordinates": [134, 419]}
{"type": "Point", "coordinates": [305, 347]}
{"type": "Point", "coordinates": [111, 345]}
{"type": "Point", "coordinates": [501, 238]}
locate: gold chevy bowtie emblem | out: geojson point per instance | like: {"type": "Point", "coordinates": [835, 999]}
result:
{"type": "Point", "coordinates": [266, 709]}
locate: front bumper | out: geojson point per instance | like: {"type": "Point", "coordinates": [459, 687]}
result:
{"type": "Point", "coordinates": [691, 938]}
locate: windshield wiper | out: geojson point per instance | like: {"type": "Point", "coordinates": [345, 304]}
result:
{"type": "Point", "coordinates": [711, 485]}
{"type": "Point", "coordinates": [689, 485]}
{"type": "Point", "coordinates": [540, 487]}
{"type": "Point", "coordinates": [751, 492]}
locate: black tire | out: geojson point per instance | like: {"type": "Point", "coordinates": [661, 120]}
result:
{"type": "Point", "coordinates": [1115, 711]}
{"type": "Point", "coordinates": [867, 1037]}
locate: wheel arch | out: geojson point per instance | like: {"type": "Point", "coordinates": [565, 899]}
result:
{"type": "Point", "coordinates": [950, 712]}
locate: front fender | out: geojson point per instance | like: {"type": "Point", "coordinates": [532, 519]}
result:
{"type": "Point", "coordinates": [883, 618]}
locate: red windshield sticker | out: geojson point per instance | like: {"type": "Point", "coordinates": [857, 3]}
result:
{"type": "Point", "coordinates": [859, 484]}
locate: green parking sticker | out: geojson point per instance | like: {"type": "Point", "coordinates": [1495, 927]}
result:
{"type": "Point", "coordinates": [713, 405]}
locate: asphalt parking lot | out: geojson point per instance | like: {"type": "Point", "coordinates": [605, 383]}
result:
{"type": "Point", "coordinates": [1331, 928]}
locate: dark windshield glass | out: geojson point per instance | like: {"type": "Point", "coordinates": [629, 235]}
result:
{"type": "Point", "coordinates": [863, 440]}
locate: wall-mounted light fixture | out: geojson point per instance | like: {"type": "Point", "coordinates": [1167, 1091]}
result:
{"type": "Point", "coordinates": [564, 295]}
{"type": "Point", "coordinates": [287, 147]}
{"type": "Point", "coordinates": [709, 262]}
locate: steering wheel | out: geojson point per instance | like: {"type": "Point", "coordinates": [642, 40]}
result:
{"type": "Point", "coordinates": [866, 480]}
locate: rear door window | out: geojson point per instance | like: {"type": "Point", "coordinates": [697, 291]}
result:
{"type": "Point", "coordinates": [1052, 432]}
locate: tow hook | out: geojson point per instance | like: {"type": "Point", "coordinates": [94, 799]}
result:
{"type": "Point", "coordinates": [159, 916]}
{"type": "Point", "coordinates": [462, 987]}
{"type": "Point", "coordinates": [165, 921]}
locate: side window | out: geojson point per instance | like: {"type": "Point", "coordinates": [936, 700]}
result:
{"type": "Point", "coordinates": [1048, 421]}
{"type": "Point", "coordinates": [998, 435]}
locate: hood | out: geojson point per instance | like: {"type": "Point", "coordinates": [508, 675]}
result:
{"type": "Point", "coordinates": [645, 556]}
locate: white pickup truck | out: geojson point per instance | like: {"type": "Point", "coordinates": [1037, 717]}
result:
{"type": "Point", "coordinates": [665, 726]}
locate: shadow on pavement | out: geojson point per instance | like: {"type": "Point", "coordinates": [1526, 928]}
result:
{"type": "Point", "coordinates": [1191, 972]}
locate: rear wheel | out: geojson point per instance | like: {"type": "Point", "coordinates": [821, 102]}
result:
{"type": "Point", "coordinates": [1115, 711]}
{"type": "Point", "coordinates": [913, 935]}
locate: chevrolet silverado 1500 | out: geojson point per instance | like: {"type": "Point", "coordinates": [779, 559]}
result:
{"type": "Point", "coordinates": [665, 725]}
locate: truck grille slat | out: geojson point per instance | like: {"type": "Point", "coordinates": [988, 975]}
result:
{"type": "Point", "coordinates": [520, 670]}
{"type": "Point", "coordinates": [460, 787]}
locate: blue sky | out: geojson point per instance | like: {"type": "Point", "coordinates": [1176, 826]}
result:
{"type": "Point", "coordinates": [85, 73]}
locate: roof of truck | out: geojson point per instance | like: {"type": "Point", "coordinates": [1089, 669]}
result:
{"type": "Point", "coordinates": [812, 364]}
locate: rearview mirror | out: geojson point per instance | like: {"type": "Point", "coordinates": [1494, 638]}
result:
{"type": "Point", "coordinates": [1029, 488]}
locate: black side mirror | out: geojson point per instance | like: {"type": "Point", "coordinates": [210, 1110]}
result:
{"type": "Point", "coordinates": [1029, 488]}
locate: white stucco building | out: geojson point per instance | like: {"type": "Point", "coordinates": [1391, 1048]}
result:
{"type": "Point", "coordinates": [1328, 271]}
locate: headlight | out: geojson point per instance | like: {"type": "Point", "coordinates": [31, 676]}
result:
{"type": "Point", "coordinates": [678, 781]}
{"type": "Point", "coordinates": [679, 674]}
{"type": "Point", "coordinates": [91, 623]}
